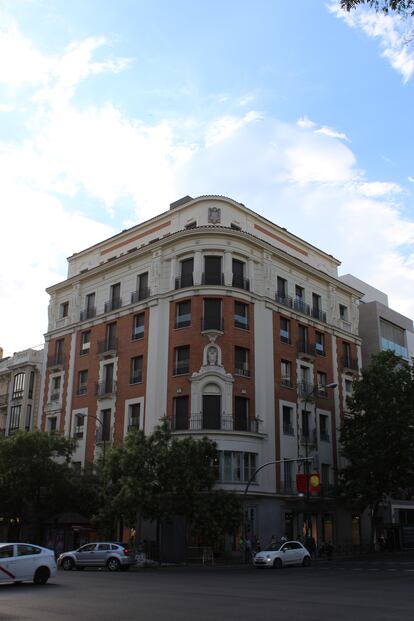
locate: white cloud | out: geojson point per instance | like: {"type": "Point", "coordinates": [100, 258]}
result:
{"type": "Point", "coordinates": [411, 179]}
{"type": "Point", "coordinates": [300, 175]}
{"type": "Point", "coordinates": [390, 30]}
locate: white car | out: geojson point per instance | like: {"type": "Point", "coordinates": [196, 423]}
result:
{"type": "Point", "coordinates": [21, 562]}
{"type": "Point", "coordinates": [288, 553]}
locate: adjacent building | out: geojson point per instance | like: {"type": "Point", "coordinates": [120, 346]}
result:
{"type": "Point", "coordinates": [232, 328]}
{"type": "Point", "coordinates": [20, 382]}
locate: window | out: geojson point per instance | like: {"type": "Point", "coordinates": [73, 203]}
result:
{"type": "Point", "coordinates": [24, 549]}
{"type": "Point", "coordinates": [393, 338]}
{"type": "Point", "coordinates": [180, 413]}
{"type": "Point", "coordinates": [235, 466]}
{"type": "Point", "coordinates": [323, 427]}
{"type": "Point", "coordinates": [284, 330]}
{"type": "Point", "coordinates": [321, 384]}
{"type": "Point", "coordinates": [303, 339]}
{"type": "Point", "coordinates": [110, 342]}
{"type": "Point", "coordinates": [299, 293]}
{"type": "Point", "coordinates": [136, 370]}
{"type": "Point", "coordinates": [212, 271]}
{"type": "Point", "coordinates": [85, 342]}
{"type": "Point", "coordinates": [108, 383]}
{"type": "Point", "coordinates": [305, 423]}
{"type": "Point", "coordinates": [281, 287]}
{"type": "Point", "coordinates": [142, 291]}
{"type": "Point", "coordinates": [287, 474]}
{"type": "Point", "coordinates": [104, 431]}
{"type": "Point", "coordinates": [235, 226]}
{"type": "Point", "coordinates": [348, 387]}
{"type": "Point", "coordinates": [138, 326]}
{"type": "Point", "coordinates": [59, 345]}
{"type": "Point", "coordinates": [90, 310]}
{"type": "Point", "coordinates": [241, 414]}
{"type": "Point", "coordinates": [241, 317]}
{"type": "Point", "coordinates": [7, 551]}
{"type": "Point", "coordinates": [320, 343]}
{"type": "Point", "coordinates": [316, 304]}
{"type": "Point", "coordinates": [325, 475]}
{"type": "Point", "coordinates": [55, 388]}
{"type": "Point", "coordinates": [51, 424]}
{"type": "Point", "coordinates": [182, 360]}
{"type": "Point", "coordinates": [287, 414]}
{"type": "Point", "coordinates": [18, 386]}
{"type": "Point", "coordinates": [186, 274]}
{"type": "Point", "coordinates": [191, 225]}
{"type": "Point", "coordinates": [212, 319]}
{"type": "Point", "coordinates": [134, 415]}
{"type": "Point", "coordinates": [114, 298]}
{"type": "Point", "coordinates": [14, 423]}
{"type": "Point", "coordinates": [79, 426]}
{"type": "Point", "coordinates": [63, 310]}
{"type": "Point", "coordinates": [343, 312]}
{"type": "Point", "coordinates": [346, 354]}
{"type": "Point", "coordinates": [286, 373]}
{"type": "Point", "coordinates": [241, 361]}
{"type": "Point", "coordinates": [239, 275]}
{"type": "Point", "coordinates": [28, 421]}
{"type": "Point", "coordinates": [83, 382]}
{"type": "Point", "coordinates": [183, 314]}
{"type": "Point", "coordinates": [31, 384]}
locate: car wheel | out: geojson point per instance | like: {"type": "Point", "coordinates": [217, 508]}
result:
{"type": "Point", "coordinates": [41, 575]}
{"type": "Point", "coordinates": [113, 564]}
{"type": "Point", "coordinates": [277, 563]}
{"type": "Point", "coordinates": [306, 561]}
{"type": "Point", "coordinates": [67, 564]}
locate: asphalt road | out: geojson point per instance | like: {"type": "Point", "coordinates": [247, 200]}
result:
{"type": "Point", "coordinates": [336, 591]}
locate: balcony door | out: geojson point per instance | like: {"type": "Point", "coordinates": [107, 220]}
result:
{"type": "Point", "coordinates": [211, 411]}
{"type": "Point", "coordinates": [212, 271]}
{"type": "Point", "coordinates": [108, 378]}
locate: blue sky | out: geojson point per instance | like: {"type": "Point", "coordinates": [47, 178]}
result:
{"type": "Point", "coordinates": [109, 111]}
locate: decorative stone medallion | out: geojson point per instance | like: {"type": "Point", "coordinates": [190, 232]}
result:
{"type": "Point", "coordinates": [214, 215]}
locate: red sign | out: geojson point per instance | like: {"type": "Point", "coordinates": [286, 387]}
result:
{"type": "Point", "coordinates": [308, 483]}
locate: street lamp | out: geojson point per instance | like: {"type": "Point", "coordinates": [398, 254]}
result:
{"type": "Point", "coordinates": [311, 393]}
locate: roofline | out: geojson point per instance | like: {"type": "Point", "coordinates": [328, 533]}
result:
{"type": "Point", "coordinates": [205, 197]}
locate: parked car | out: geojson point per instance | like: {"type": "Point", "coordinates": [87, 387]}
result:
{"type": "Point", "coordinates": [288, 553]}
{"type": "Point", "coordinates": [114, 556]}
{"type": "Point", "coordinates": [22, 562]}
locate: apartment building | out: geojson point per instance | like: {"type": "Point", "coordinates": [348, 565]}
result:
{"type": "Point", "coordinates": [20, 384]}
{"type": "Point", "coordinates": [381, 328]}
{"type": "Point", "coordinates": [230, 326]}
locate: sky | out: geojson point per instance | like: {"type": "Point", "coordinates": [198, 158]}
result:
{"type": "Point", "coordinates": [110, 111]}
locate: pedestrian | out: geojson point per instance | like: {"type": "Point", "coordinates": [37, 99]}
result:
{"type": "Point", "coordinates": [273, 543]}
{"type": "Point", "coordinates": [257, 546]}
{"type": "Point", "coordinates": [311, 545]}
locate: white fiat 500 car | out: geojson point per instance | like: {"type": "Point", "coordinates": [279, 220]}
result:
{"type": "Point", "coordinates": [22, 562]}
{"type": "Point", "coordinates": [288, 553]}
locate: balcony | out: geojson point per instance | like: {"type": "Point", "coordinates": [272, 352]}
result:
{"type": "Point", "coordinates": [242, 370]}
{"type": "Point", "coordinates": [212, 323]}
{"type": "Point", "coordinates": [181, 367]}
{"type": "Point", "coordinates": [133, 424]}
{"type": "Point", "coordinates": [212, 278]}
{"type": "Point", "coordinates": [286, 382]}
{"type": "Point", "coordinates": [55, 360]}
{"type": "Point", "coordinates": [185, 280]}
{"type": "Point", "coordinates": [305, 389]}
{"type": "Point", "coordinates": [82, 389]}
{"type": "Point", "coordinates": [319, 314]}
{"type": "Point", "coordinates": [305, 349]}
{"type": "Point", "coordinates": [308, 439]}
{"type": "Point", "coordinates": [319, 349]}
{"type": "Point", "coordinates": [288, 429]}
{"type": "Point", "coordinates": [105, 389]}
{"type": "Point", "coordinates": [351, 364]}
{"type": "Point", "coordinates": [200, 422]}
{"type": "Point", "coordinates": [298, 305]}
{"type": "Point", "coordinates": [141, 294]}
{"type": "Point", "coordinates": [113, 304]}
{"type": "Point", "coordinates": [88, 313]}
{"type": "Point", "coordinates": [107, 346]}
{"type": "Point", "coordinates": [103, 435]}
{"type": "Point", "coordinates": [240, 282]}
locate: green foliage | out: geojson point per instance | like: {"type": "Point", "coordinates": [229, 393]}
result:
{"type": "Point", "coordinates": [402, 7]}
{"type": "Point", "coordinates": [377, 436]}
{"type": "Point", "coordinates": [217, 514]}
{"type": "Point", "coordinates": [37, 480]}
{"type": "Point", "coordinates": [159, 476]}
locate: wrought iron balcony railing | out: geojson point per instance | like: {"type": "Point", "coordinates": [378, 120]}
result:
{"type": "Point", "coordinates": [113, 304]}
{"type": "Point", "coordinates": [141, 294]}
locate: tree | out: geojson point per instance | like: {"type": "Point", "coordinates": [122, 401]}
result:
{"type": "Point", "coordinates": [159, 476]}
{"type": "Point", "coordinates": [377, 435]}
{"type": "Point", "coordinates": [402, 7]}
{"type": "Point", "coordinates": [37, 480]}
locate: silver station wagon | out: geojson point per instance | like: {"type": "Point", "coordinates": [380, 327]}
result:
{"type": "Point", "coordinates": [114, 556]}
